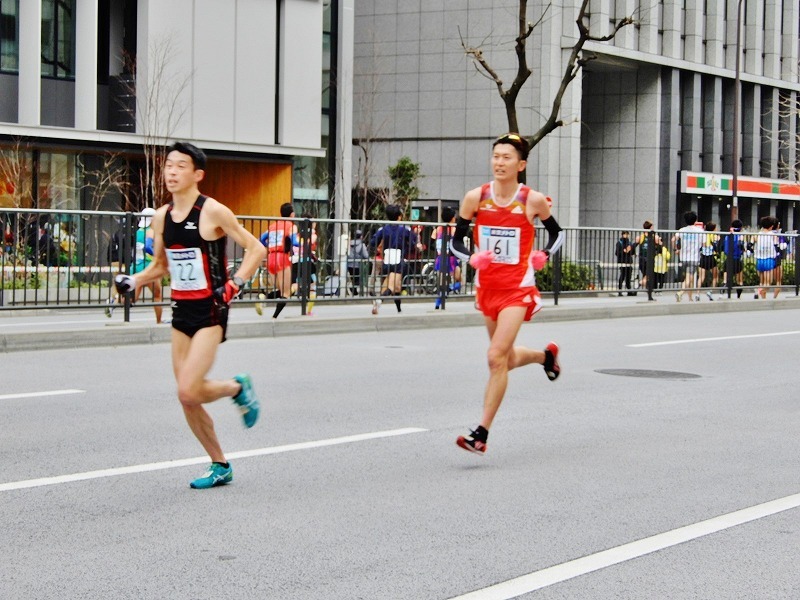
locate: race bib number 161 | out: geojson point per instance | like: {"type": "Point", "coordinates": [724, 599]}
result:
{"type": "Point", "coordinates": [502, 241]}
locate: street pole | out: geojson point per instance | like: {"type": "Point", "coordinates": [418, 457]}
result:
{"type": "Point", "coordinates": [737, 92]}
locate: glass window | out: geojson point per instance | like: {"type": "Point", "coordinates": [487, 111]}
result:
{"type": "Point", "coordinates": [58, 38]}
{"type": "Point", "coordinates": [9, 36]}
{"type": "Point", "coordinates": [59, 181]}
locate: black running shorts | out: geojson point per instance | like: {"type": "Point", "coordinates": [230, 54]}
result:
{"type": "Point", "coordinates": [190, 316]}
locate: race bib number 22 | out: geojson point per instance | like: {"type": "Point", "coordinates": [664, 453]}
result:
{"type": "Point", "coordinates": [186, 269]}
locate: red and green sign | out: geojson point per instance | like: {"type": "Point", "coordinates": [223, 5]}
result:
{"type": "Point", "coordinates": [748, 187]}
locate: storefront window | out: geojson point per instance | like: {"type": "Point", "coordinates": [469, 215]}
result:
{"type": "Point", "coordinates": [59, 181]}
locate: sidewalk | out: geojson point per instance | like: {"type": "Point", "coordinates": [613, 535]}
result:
{"type": "Point", "coordinates": [50, 329]}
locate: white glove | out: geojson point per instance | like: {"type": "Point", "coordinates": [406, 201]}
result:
{"type": "Point", "coordinates": [125, 284]}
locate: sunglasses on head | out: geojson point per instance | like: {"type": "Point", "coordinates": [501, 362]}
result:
{"type": "Point", "coordinates": [516, 140]}
{"type": "Point", "coordinates": [508, 137]}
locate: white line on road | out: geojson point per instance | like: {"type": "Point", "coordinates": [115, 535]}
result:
{"type": "Point", "coordinates": [712, 339]}
{"type": "Point", "coordinates": [174, 464]}
{"type": "Point", "coordinates": [594, 562]}
{"type": "Point", "coordinates": [39, 394]}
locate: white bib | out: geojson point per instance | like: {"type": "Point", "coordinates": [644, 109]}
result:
{"type": "Point", "coordinates": [186, 269]}
{"type": "Point", "coordinates": [502, 241]}
{"type": "Point", "coordinates": [392, 256]}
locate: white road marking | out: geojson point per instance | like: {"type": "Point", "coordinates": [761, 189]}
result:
{"type": "Point", "coordinates": [174, 464]}
{"type": "Point", "coordinates": [712, 339]}
{"type": "Point", "coordinates": [39, 394]}
{"type": "Point", "coordinates": [600, 560]}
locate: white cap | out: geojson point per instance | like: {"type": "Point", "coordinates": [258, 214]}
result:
{"type": "Point", "coordinates": [147, 216]}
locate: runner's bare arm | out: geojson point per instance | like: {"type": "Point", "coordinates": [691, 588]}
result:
{"type": "Point", "coordinates": [224, 219]}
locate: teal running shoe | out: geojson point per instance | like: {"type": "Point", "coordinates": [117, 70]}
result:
{"type": "Point", "coordinates": [215, 475]}
{"type": "Point", "coordinates": [247, 400]}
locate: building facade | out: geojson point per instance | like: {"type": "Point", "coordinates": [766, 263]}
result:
{"type": "Point", "coordinates": [650, 127]}
{"type": "Point", "coordinates": [92, 87]}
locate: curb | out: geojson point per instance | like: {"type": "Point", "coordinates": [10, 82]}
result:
{"type": "Point", "coordinates": [127, 334]}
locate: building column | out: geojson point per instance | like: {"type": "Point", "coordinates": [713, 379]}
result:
{"type": "Point", "coordinates": [715, 35]}
{"type": "Point", "coordinates": [30, 63]}
{"type": "Point", "coordinates": [344, 109]}
{"type": "Point", "coordinates": [626, 37]}
{"type": "Point", "coordinates": [751, 123]}
{"type": "Point", "coordinates": [730, 34]}
{"type": "Point", "coordinates": [86, 64]}
{"type": "Point", "coordinates": [600, 11]}
{"type": "Point", "coordinates": [672, 44]}
{"type": "Point", "coordinates": [691, 131]}
{"type": "Point", "coordinates": [712, 125]}
{"type": "Point", "coordinates": [770, 122]}
{"type": "Point", "coordinates": [791, 32]}
{"type": "Point", "coordinates": [694, 30]}
{"type": "Point", "coordinates": [753, 39]}
{"type": "Point", "coordinates": [669, 160]}
{"type": "Point", "coordinates": [648, 31]}
{"type": "Point", "coordinates": [772, 39]}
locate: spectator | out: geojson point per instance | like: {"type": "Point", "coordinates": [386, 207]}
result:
{"type": "Point", "coordinates": [642, 242]}
{"type": "Point", "coordinates": [687, 243]}
{"type": "Point", "coordinates": [453, 266]}
{"type": "Point", "coordinates": [764, 252]}
{"type": "Point", "coordinates": [46, 252]}
{"type": "Point", "coordinates": [624, 252]}
{"type": "Point", "coordinates": [734, 248]}
{"type": "Point", "coordinates": [781, 247]}
{"type": "Point", "coordinates": [118, 262]}
{"type": "Point", "coordinates": [357, 256]}
{"type": "Point", "coordinates": [310, 262]}
{"type": "Point", "coordinates": [708, 258]}
{"type": "Point", "coordinates": [396, 242]}
{"type": "Point", "coordinates": [660, 263]}
{"type": "Point", "coordinates": [143, 256]}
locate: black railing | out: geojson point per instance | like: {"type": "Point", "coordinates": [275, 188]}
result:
{"type": "Point", "coordinates": [67, 259]}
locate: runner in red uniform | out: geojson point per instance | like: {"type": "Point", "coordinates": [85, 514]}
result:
{"type": "Point", "coordinates": [504, 212]}
{"type": "Point", "coordinates": [280, 239]}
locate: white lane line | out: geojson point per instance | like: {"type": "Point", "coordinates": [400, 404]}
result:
{"type": "Point", "coordinates": [184, 462]}
{"type": "Point", "coordinates": [712, 339]}
{"type": "Point", "coordinates": [594, 562]}
{"type": "Point", "coordinates": [39, 394]}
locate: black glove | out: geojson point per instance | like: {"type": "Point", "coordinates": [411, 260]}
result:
{"type": "Point", "coordinates": [226, 293]}
{"type": "Point", "coordinates": [125, 284]}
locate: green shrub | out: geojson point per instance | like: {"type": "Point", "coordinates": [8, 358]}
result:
{"type": "Point", "coordinates": [573, 277]}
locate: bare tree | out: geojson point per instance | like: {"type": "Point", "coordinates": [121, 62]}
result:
{"type": "Point", "coordinates": [578, 58]}
{"type": "Point", "coordinates": [372, 124]}
{"type": "Point", "coordinates": [109, 179]}
{"type": "Point", "coordinates": [789, 137]}
{"type": "Point", "coordinates": [159, 110]}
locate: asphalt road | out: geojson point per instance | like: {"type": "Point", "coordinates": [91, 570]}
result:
{"type": "Point", "coordinates": [592, 462]}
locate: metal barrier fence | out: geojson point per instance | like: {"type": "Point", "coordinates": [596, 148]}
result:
{"type": "Point", "coordinates": [67, 259]}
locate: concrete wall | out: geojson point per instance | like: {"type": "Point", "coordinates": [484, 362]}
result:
{"type": "Point", "coordinates": [620, 141]}
{"type": "Point", "coordinates": [220, 75]}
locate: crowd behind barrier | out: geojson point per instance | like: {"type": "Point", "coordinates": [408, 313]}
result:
{"type": "Point", "coordinates": [67, 259]}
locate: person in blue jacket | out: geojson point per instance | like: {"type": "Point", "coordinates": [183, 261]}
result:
{"type": "Point", "coordinates": [395, 241]}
